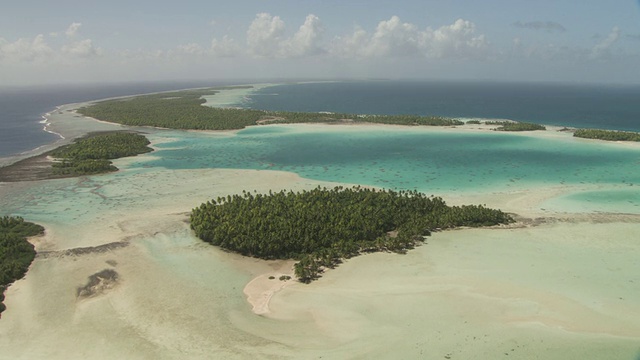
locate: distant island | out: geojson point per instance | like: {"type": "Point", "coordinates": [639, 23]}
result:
{"type": "Point", "coordinates": [321, 227]}
{"type": "Point", "coordinates": [184, 110]}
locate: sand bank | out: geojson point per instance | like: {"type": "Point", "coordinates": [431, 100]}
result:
{"type": "Point", "coordinates": [262, 288]}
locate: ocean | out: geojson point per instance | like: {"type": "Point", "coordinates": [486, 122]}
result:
{"type": "Point", "coordinates": [22, 109]}
{"type": "Point", "coordinates": [589, 106]}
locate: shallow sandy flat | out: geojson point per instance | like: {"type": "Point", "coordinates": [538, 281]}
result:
{"type": "Point", "coordinates": [558, 290]}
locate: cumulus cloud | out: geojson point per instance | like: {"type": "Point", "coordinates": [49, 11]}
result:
{"type": "Point", "coordinates": [264, 35]}
{"type": "Point", "coordinates": [82, 49]}
{"type": "Point", "coordinates": [307, 40]}
{"type": "Point", "coordinates": [191, 49]}
{"type": "Point", "coordinates": [72, 30]}
{"type": "Point", "coordinates": [603, 48]}
{"type": "Point", "coordinates": [457, 39]}
{"type": "Point", "coordinates": [266, 38]}
{"type": "Point", "coordinates": [26, 50]}
{"type": "Point", "coordinates": [37, 50]}
{"type": "Point", "coordinates": [393, 38]}
{"type": "Point", "coordinates": [226, 47]}
{"type": "Point", "coordinates": [548, 26]}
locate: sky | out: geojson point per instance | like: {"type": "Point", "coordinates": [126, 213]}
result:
{"type": "Point", "coordinates": [91, 41]}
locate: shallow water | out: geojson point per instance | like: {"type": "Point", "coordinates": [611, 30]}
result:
{"type": "Point", "coordinates": [431, 161]}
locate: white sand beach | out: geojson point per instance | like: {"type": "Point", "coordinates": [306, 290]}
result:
{"type": "Point", "coordinates": [556, 287]}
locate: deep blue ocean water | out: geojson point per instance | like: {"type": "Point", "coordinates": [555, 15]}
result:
{"type": "Point", "coordinates": [590, 106]}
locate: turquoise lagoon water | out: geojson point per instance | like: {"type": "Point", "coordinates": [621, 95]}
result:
{"type": "Point", "coordinates": [429, 161]}
{"type": "Point", "coordinates": [435, 162]}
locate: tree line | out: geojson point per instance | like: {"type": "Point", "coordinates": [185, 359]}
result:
{"type": "Point", "coordinates": [608, 135]}
{"type": "Point", "coordinates": [519, 126]}
{"type": "Point", "coordinates": [16, 253]}
{"type": "Point", "coordinates": [320, 227]}
{"type": "Point", "coordinates": [92, 154]}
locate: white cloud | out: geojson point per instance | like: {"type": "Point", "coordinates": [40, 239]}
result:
{"type": "Point", "coordinates": [391, 48]}
{"type": "Point", "coordinates": [191, 49]}
{"type": "Point", "coordinates": [25, 49]}
{"type": "Point", "coordinates": [264, 36]}
{"type": "Point", "coordinates": [82, 49]}
{"type": "Point", "coordinates": [351, 45]}
{"type": "Point", "coordinates": [602, 49]}
{"type": "Point", "coordinates": [226, 47]}
{"type": "Point", "coordinates": [307, 40]}
{"type": "Point", "coordinates": [72, 30]}
{"type": "Point", "coordinates": [456, 40]}
{"type": "Point", "coordinates": [394, 38]}
{"type": "Point", "coordinates": [37, 50]}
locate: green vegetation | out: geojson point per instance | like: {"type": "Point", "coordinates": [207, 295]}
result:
{"type": "Point", "coordinates": [176, 110]}
{"type": "Point", "coordinates": [608, 135]}
{"type": "Point", "coordinates": [184, 110]}
{"type": "Point", "coordinates": [520, 126]}
{"type": "Point", "coordinates": [320, 227]}
{"type": "Point", "coordinates": [474, 122]}
{"type": "Point", "coordinates": [90, 155]}
{"type": "Point", "coordinates": [16, 253]}
{"type": "Point", "coordinates": [493, 122]}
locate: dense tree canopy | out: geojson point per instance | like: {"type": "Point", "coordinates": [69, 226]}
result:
{"type": "Point", "coordinates": [520, 126]}
{"type": "Point", "coordinates": [184, 110]}
{"type": "Point", "coordinates": [16, 253]}
{"type": "Point", "coordinates": [608, 135]}
{"type": "Point", "coordinates": [321, 226]}
{"type": "Point", "coordinates": [90, 155]}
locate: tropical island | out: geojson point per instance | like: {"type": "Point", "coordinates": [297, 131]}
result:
{"type": "Point", "coordinates": [16, 253]}
{"type": "Point", "coordinates": [322, 226]}
{"type": "Point", "coordinates": [92, 154]}
{"type": "Point", "coordinates": [88, 155]}
{"type": "Point", "coordinates": [185, 110]}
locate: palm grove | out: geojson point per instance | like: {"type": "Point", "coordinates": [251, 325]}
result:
{"type": "Point", "coordinates": [322, 226]}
